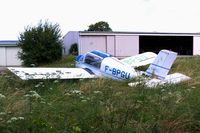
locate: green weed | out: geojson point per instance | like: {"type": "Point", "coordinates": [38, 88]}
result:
{"type": "Point", "coordinates": [100, 105]}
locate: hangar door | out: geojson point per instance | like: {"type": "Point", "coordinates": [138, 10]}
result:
{"type": "Point", "coordinates": [89, 43]}
{"type": "Point", "coordinates": [183, 45]}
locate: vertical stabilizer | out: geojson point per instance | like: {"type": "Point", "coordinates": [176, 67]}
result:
{"type": "Point", "coordinates": [162, 64]}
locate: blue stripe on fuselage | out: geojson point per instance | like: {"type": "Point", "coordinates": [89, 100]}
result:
{"type": "Point", "coordinates": [101, 54]}
{"type": "Point", "coordinates": [78, 58]}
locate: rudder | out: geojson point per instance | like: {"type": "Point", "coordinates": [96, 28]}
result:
{"type": "Point", "coordinates": [162, 64]}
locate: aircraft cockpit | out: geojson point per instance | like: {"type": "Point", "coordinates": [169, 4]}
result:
{"type": "Point", "coordinates": [93, 60]}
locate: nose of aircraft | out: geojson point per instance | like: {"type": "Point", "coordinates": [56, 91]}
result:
{"type": "Point", "coordinates": [78, 58]}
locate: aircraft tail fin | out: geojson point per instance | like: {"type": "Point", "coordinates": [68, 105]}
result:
{"type": "Point", "coordinates": [162, 64]}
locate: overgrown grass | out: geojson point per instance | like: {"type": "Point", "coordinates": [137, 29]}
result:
{"type": "Point", "coordinates": [100, 105]}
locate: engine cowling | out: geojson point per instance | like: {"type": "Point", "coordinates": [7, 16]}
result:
{"type": "Point", "coordinates": [112, 67]}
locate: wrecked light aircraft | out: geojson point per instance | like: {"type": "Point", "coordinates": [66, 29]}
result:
{"type": "Point", "coordinates": [100, 64]}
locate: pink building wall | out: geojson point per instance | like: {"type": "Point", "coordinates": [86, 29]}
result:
{"type": "Point", "coordinates": [127, 45]}
{"type": "Point", "coordinates": [196, 45]}
{"type": "Point", "coordinates": [89, 43]}
{"type": "Point", "coordinates": [111, 44]}
{"type": "Point", "coordinates": [117, 45]}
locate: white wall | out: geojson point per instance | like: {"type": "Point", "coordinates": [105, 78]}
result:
{"type": "Point", "coordinates": [2, 56]}
{"type": "Point", "coordinates": [8, 56]}
{"type": "Point", "coordinates": [196, 45]}
{"type": "Point", "coordinates": [12, 56]}
{"type": "Point", "coordinates": [70, 38]}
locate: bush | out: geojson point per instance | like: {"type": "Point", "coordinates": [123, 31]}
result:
{"type": "Point", "coordinates": [40, 44]}
{"type": "Point", "coordinates": [74, 49]}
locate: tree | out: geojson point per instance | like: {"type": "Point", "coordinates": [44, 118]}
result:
{"type": "Point", "coordinates": [40, 44]}
{"type": "Point", "coordinates": [99, 26]}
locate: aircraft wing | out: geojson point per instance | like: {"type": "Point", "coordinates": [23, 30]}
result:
{"type": "Point", "coordinates": [140, 59]}
{"type": "Point", "coordinates": [50, 73]}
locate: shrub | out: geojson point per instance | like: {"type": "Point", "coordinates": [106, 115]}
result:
{"type": "Point", "coordinates": [74, 49]}
{"type": "Point", "coordinates": [40, 44]}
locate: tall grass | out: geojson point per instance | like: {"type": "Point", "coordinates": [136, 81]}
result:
{"type": "Point", "coordinates": [100, 105]}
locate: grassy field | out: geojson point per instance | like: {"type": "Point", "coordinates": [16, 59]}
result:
{"type": "Point", "coordinates": [100, 105]}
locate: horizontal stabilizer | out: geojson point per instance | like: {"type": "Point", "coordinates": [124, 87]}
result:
{"type": "Point", "coordinates": [140, 59]}
{"type": "Point", "coordinates": [50, 73]}
{"type": "Point", "coordinates": [170, 79]}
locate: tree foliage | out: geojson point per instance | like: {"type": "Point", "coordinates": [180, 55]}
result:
{"type": "Point", "coordinates": [40, 44]}
{"type": "Point", "coordinates": [99, 26]}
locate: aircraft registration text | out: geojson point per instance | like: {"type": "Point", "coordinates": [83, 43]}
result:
{"type": "Point", "coordinates": [117, 72]}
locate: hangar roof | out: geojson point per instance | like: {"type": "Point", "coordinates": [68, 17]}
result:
{"type": "Point", "coordinates": [8, 43]}
{"type": "Point", "coordinates": [137, 33]}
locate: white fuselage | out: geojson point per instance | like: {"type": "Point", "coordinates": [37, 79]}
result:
{"type": "Point", "coordinates": [109, 67]}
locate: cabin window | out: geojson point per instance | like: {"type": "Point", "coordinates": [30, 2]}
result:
{"type": "Point", "coordinates": [93, 60]}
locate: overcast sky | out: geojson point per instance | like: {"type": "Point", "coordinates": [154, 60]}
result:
{"type": "Point", "coordinates": [122, 15]}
